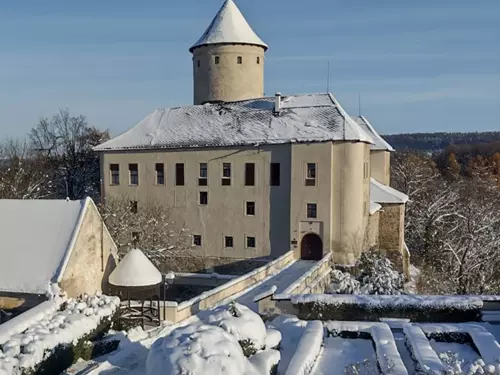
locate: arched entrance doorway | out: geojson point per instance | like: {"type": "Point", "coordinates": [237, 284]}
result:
{"type": "Point", "coordinates": [311, 247]}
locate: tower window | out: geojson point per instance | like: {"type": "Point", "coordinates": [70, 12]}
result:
{"type": "Point", "coordinates": [312, 211]}
{"type": "Point", "coordinates": [258, 59]}
{"type": "Point", "coordinates": [216, 60]}
{"type": "Point", "coordinates": [199, 63]}
{"type": "Point", "coordinates": [240, 60]}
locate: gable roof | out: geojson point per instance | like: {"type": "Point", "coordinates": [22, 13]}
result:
{"type": "Point", "coordinates": [135, 269]}
{"type": "Point", "coordinates": [302, 118]}
{"type": "Point", "coordinates": [380, 193]}
{"type": "Point", "coordinates": [229, 26]}
{"type": "Point", "coordinates": [37, 240]}
{"type": "Point", "coordinates": [380, 143]}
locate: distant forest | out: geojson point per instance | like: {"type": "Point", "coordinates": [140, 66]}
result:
{"type": "Point", "coordinates": [436, 142]}
{"type": "Point", "coordinates": [465, 154]}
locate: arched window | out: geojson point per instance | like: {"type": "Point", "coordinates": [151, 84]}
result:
{"type": "Point", "coordinates": [240, 60]}
{"type": "Point", "coordinates": [216, 59]}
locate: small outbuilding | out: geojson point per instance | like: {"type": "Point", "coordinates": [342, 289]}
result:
{"type": "Point", "coordinates": [47, 242]}
{"type": "Point", "coordinates": [137, 281]}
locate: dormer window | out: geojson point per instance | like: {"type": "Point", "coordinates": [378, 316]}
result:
{"type": "Point", "coordinates": [216, 59]}
{"type": "Point", "coordinates": [240, 60]}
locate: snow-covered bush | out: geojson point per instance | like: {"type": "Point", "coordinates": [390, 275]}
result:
{"type": "Point", "coordinates": [455, 365]}
{"type": "Point", "coordinates": [196, 349]}
{"type": "Point", "coordinates": [66, 330]}
{"type": "Point", "coordinates": [377, 276]}
{"type": "Point", "coordinates": [242, 323]}
{"type": "Point", "coordinates": [343, 283]}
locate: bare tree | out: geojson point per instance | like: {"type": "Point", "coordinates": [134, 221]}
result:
{"type": "Point", "coordinates": [66, 142]}
{"type": "Point", "coordinates": [23, 175]}
{"type": "Point", "coordinates": [152, 228]}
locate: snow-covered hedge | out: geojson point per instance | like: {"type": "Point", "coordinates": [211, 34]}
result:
{"type": "Point", "coordinates": [372, 307]}
{"type": "Point", "coordinates": [388, 357]}
{"type": "Point", "coordinates": [308, 350]}
{"type": "Point", "coordinates": [45, 340]}
{"type": "Point", "coordinates": [429, 362]}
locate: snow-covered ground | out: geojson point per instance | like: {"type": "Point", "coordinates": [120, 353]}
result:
{"type": "Point", "coordinates": [338, 353]}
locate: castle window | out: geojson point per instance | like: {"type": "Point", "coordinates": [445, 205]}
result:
{"type": "Point", "coordinates": [203, 198]}
{"type": "Point", "coordinates": [115, 174]}
{"type": "Point", "coordinates": [133, 170]}
{"type": "Point", "coordinates": [197, 240]}
{"type": "Point", "coordinates": [249, 174]}
{"type": "Point", "coordinates": [160, 173]}
{"type": "Point", "coordinates": [179, 174]}
{"type": "Point", "coordinates": [258, 59]}
{"type": "Point", "coordinates": [226, 174]}
{"type": "Point", "coordinates": [312, 211]}
{"type": "Point", "coordinates": [250, 242]}
{"type": "Point", "coordinates": [250, 208]}
{"type": "Point", "coordinates": [311, 174]}
{"type": "Point", "coordinates": [203, 179]}
{"type": "Point", "coordinates": [240, 60]}
{"type": "Point", "coordinates": [217, 60]}
{"type": "Point", "coordinates": [133, 207]}
{"type": "Point", "coordinates": [228, 241]}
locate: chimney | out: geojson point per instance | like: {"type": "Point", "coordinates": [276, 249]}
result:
{"type": "Point", "coordinates": [277, 103]}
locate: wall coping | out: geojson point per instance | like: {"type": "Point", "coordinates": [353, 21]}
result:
{"type": "Point", "coordinates": [235, 281]}
{"type": "Point", "coordinates": [303, 278]}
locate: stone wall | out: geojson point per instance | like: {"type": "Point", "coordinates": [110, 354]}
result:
{"type": "Point", "coordinates": [372, 231]}
{"type": "Point", "coordinates": [92, 258]}
{"type": "Point", "coordinates": [391, 232]}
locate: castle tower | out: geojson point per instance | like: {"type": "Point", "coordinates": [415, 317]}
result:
{"type": "Point", "coordinates": [228, 59]}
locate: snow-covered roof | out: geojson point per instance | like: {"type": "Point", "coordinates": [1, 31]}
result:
{"type": "Point", "coordinates": [37, 237]}
{"type": "Point", "coordinates": [380, 143]}
{"type": "Point", "coordinates": [229, 26]}
{"type": "Point", "coordinates": [380, 193]}
{"type": "Point", "coordinates": [302, 118]}
{"type": "Point", "coordinates": [135, 270]}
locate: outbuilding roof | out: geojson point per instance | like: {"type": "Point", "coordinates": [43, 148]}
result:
{"type": "Point", "coordinates": [379, 142]}
{"type": "Point", "coordinates": [301, 118]}
{"type": "Point", "coordinates": [37, 238]}
{"type": "Point", "coordinates": [135, 270]}
{"type": "Point", "coordinates": [229, 26]}
{"type": "Point", "coordinates": [380, 193]}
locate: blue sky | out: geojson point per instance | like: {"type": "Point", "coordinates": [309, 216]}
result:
{"type": "Point", "coordinates": [428, 65]}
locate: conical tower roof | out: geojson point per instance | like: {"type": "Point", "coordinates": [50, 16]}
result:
{"type": "Point", "coordinates": [229, 26]}
{"type": "Point", "coordinates": [135, 270]}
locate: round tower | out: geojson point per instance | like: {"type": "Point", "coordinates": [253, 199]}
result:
{"type": "Point", "coordinates": [228, 59]}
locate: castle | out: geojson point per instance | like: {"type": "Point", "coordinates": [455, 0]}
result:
{"type": "Point", "coordinates": [253, 176]}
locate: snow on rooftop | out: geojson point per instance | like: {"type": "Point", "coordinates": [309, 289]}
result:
{"type": "Point", "coordinates": [36, 242]}
{"type": "Point", "coordinates": [380, 193]}
{"type": "Point", "coordinates": [134, 270]}
{"type": "Point", "coordinates": [380, 143]}
{"type": "Point", "coordinates": [374, 207]}
{"type": "Point", "coordinates": [229, 26]}
{"type": "Point", "coordinates": [303, 118]}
